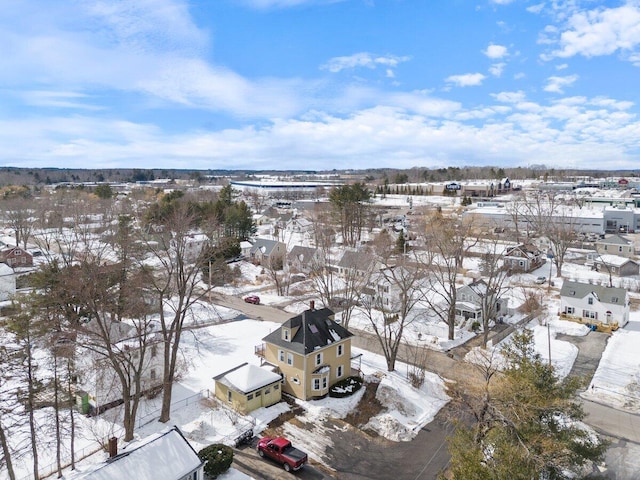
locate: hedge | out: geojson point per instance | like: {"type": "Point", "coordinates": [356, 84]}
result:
{"type": "Point", "coordinates": [218, 458]}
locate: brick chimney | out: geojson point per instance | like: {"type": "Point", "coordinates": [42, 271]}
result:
{"type": "Point", "coordinates": [312, 305]}
{"type": "Point", "coordinates": [113, 447]}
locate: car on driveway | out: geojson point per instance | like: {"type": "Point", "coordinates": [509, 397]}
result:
{"type": "Point", "coordinates": [541, 280]}
{"type": "Point", "coordinates": [252, 299]}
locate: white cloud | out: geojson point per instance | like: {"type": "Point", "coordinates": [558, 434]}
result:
{"type": "Point", "coordinates": [557, 84]}
{"type": "Point", "coordinates": [536, 8]}
{"type": "Point", "coordinates": [496, 69]}
{"type": "Point", "coordinates": [509, 97]}
{"type": "Point", "coordinates": [362, 59]}
{"type": "Point", "coordinates": [466, 80]}
{"type": "Point", "coordinates": [577, 131]}
{"type": "Point", "coordinates": [501, 2]}
{"type": "Point", "coordinates": [563, 66]}
{"type": "Point", "coordinates": [495, 51]}
{"type": "Point", "coordinates": [601, 31]}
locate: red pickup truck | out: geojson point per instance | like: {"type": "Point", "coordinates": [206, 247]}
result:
{"type": "Point", "coordinates": [281, 450]}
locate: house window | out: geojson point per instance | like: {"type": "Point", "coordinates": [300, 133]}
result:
{"type": "Point", "coordinates": [589, 314]}
{"type": "Point", "coordinates": [318, 359]}
{"type": "Point", "coordinates": [276, 387]}
{"type": "Point", "coordinates": [614, 299]}
{"type": "Point", "coordinates": [281, 355]}
{"type": "Point", "coordinates": [285, 334]}
{"type": "Point", "coordinates": [229, 396]}
{"type": "Point", "coordinates": [258, 393]}
{"type": "Point", "coordinates": [339, 371]}
{"type": "Point", "coordinates": [154, 350]}
{"type": "Point", "coordinates": [605, 247]}
{"type": "Point", "coordinates": [153, 374]}
{"type": "Point", "coordinates": [570, 310]}
{"type": "Point", "coordinates": [316, 384]}
{"type": "Point", "coordinates": [620, 248]}
{"type": "Point", "coordinates": [267, 391]}
{"type": "Point", "coordinates": [295, 380]}
{"type": "Point", "coordinates": [18, 252]}
{"type": "Point", "coordinates": [590, 300]}
{"type": "Point", "coordinates": [340, 350]}
{"type": "Point", "coordinates": [250, 396]}
{"type": "Point", "coordinates": [324, 382]}
{"type": "Point", "coordinates": [289, 358]}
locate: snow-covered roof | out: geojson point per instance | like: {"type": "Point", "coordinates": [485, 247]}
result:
{"type": "Point", "coordinates": [613, 260]}
{"type": "Point", "coordinates": [247, 377]}
{"type": "Point", "coordinates": [164, 456]}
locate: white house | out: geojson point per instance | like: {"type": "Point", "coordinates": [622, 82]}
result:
{"type": "Point", "coordinates": [99, 379]}
{"type": "Point", "coordinates": [616, 245]}
{"type": "Point", "coordinates": [523, 257]}
{"type": "Point", "coordinates": [7, 282]}
{"type": "Point", "coordinates": [595, 304]}
{"type": "Point", "coordinates": [167, 455]}
{"type": "Point", "coordinates": [470, 300]}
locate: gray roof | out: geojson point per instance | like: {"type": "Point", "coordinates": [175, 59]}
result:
{"type": "Point", "coordinates": [316, 330]}
{"type": "Point", "coordinates": [604, 294]}
{"type": "Point", "coordinates": [615, 240]}
{"type": "Point", "coordinates": [268, 245]}
{"type": "Point", "coordinates": [304, 254]}
{"type": "Point", "coordinates": [356, 259]}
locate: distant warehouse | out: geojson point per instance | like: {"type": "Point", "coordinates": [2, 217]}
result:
{"type": "Point", "coordinates": [271, 187]}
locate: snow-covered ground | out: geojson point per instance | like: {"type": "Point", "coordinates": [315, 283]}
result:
{"type": "Point", "coordinates": [617, 380]}
{"type": "Point", "coordinates": [214, 349]}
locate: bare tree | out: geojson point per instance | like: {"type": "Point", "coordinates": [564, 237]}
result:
{"type": "Point", "coordinates": [175, 285]}
{"type": "Point", "coordinates": [447, 242]}
{"type": "Point", "coordinates": [20, 215]}
{"type": "Point", "coordinates": [389, 307]}
{"type": "Point", "coordinates": [494, 276]}
{"type": "Point", "coordinates": [556, 221]}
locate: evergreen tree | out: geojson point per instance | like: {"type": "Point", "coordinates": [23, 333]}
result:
{"type": "Point", "coordinates": [525, 423]}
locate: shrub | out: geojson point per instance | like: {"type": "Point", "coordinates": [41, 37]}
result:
{"type": "Point", "coordinates": [218, 458]}
{"type": "Point", "coordinates": [346, 387]}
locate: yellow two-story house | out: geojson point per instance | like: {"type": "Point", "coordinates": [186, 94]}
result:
{"type": "Point", "coordinates": [311, 351]}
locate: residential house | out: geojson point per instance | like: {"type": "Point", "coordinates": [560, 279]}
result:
{"type": "Point", "coordinates": [304, 259]}
{"type": "Point", "coordinates": [615, 245]}
{"type": "Point", "coordinates": [167, 455]}
{"type": "Point", "coordinates": [358, 262]}
{"type": "Point", "coordinates": [99, 380]}
{"type": "Point", "coordinates": [248, 387]}
{"type": "Point", "coordinates": [523, 257]}
{"type": "Point", "coordinates": [7, 282]}
{"type": "Point", "coordinates": [311, 351]}
{"type": "Point", "coordinates": [616, 265]}
{"type": "Point", "coordinates": [299, 225]}
{"type": "Point", "coordinates": [386, 287]}
{"type": "Point", "coordinates": [595, 304]}
{"type": "Point", "coordinates": [16, 257]}
{"type": "Point", "coordinates": [471, 298]}
{"type": "Point", "coordinates": [267, 252]}
{"type": "Point", "coordinates": [245, 248]}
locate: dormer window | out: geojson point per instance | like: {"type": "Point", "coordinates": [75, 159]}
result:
{"type": "Point", "coordinates": [614, 299]}
{"type": "Point", "coordinates": [286, 334]}
{"type": "Point", "coordinates": [590, 300]}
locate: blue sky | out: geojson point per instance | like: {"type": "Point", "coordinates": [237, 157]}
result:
{"type": "Point", "coordinates": [319, 84]}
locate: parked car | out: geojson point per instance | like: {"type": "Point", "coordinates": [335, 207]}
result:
{"type": "Point", "coordinates": [541, 280]}
{"type": "Point", "coordinates": [252, 299]}
{"type": "Point", "coordinates": [281, 450]}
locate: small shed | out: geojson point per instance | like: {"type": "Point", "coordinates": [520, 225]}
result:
{"type": "Point", "coordinates": [248, 387]}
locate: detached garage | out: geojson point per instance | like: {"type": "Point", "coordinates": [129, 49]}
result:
{"type": "Point", "coordinates": [248, 387]}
